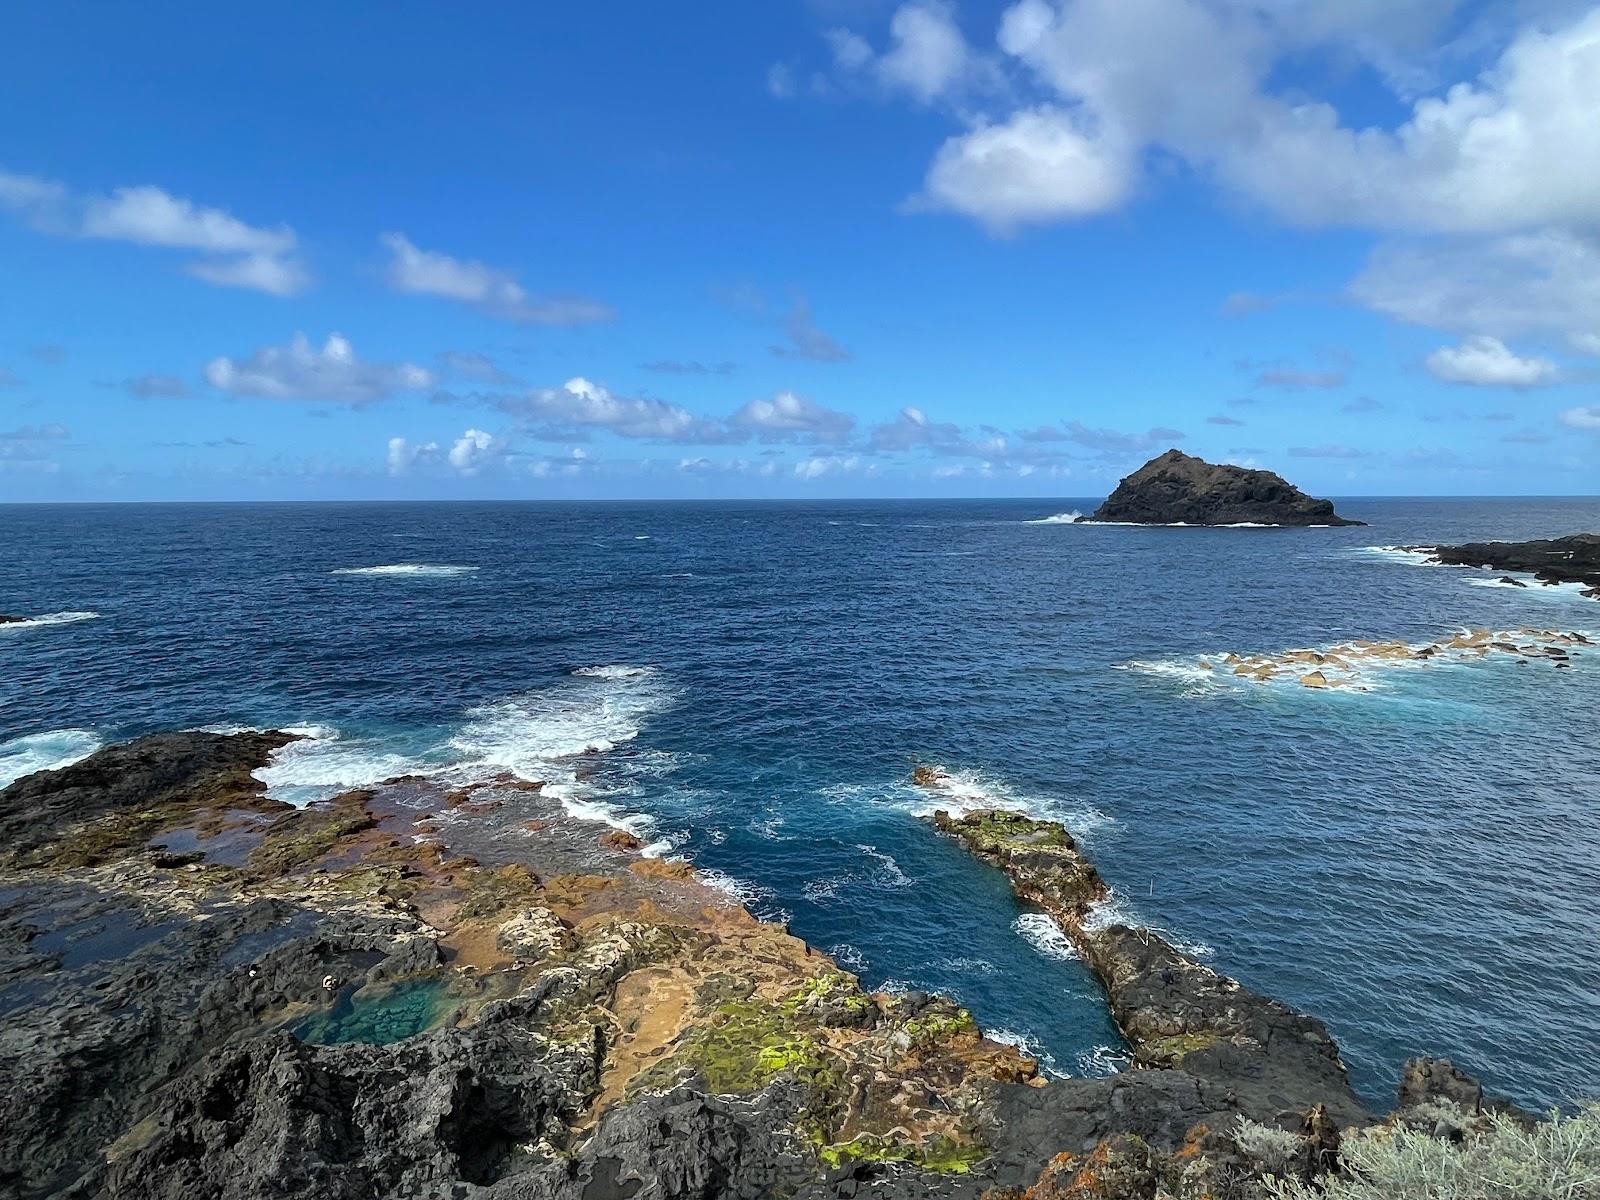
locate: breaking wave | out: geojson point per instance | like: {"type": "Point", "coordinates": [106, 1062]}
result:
{"type": "Point", "coordinates": [44, 752]}
{"type": "Point", "coordinates": [1044, 935]}
{"type": "Point", "coordinates": [1066, 518]}
{"type": "Point", "coordinates": [56, 618]}
{"type": "Point", "coordinates": [409, 570]}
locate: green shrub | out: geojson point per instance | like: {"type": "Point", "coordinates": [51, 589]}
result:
{"type": "Point", "coordinates": [1558, 1159]}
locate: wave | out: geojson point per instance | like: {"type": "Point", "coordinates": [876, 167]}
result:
{"type": "Point", "coordinates": [615, 671]}
{"type": "Point", "coordinates": [409, 570]}
{"type": "Point", "coordinates": [44, 752]}
{"type": "Point", "coordinates": [1028, 1046]}
{"type": "Point", "coordinates": [890, 873]}
{"type": "Point", "coordinates": [56, 618]}
{"type": "Point", "coordinates": [1066, 518]}
{"type": "Point", "coordinates": [551, 735]}
{"type": "Point", "coordinates": [1416, 556]}
{"type": "Point", "coordinates": [1531, 585]}
{"type": "Point", "coordinates": [963, 791]}
{"type": "Point", "coordinates": [1045, 936]}
{"type": "Point", "coordinates": [759, 900]}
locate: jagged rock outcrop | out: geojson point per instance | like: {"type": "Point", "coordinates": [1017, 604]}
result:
{"type": "Point", "coordinates": [1179, 489]}
{"type": "Point", "coordinates": [1574, 559]}
{"type": "Point", "coordinates": [1173, 1010]}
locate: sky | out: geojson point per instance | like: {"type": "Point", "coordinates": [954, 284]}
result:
{"type": "Point", "coordinates": [796, 248]}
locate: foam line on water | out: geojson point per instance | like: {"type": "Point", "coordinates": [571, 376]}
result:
{"type": "Point", "coordinates": [44, 752]}
{"type": "Point", "coordinates": [1064, 518]}
{"type": "Point", "coordinates": [48, 619]}
{"type": "Point", "coordinates": [409, 570]}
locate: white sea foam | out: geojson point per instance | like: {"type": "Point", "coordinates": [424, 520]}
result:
{"type": "Point", "coordinates": [1535, 587]}
{"type": "Point", "coordinates": [1416, 556]}
{"type": "Point", "coordinates": [758, 899]}
{"type": "Point", "coordinates": [1066, 518]}
{"type": "Point", "coordinates": [326, 763]}
{"type": "Point", "coordinates": [56, 618]}
{"type": "Point", "coordinates": [848, 957]}
{"type": "Point", "coordinates": [1104, 1060]}
{"type": "Point", "coordinates": [970, 966]}
{"type": "Point", "coordinates": [615, 671]}
{"type": "Point", "coordinates": [1044, 935]}
{"type": "Point", "coordinates": [410, 570]}
{"type": "Point", "coordinates": [44, 752]}
{"type": "Point", "coordinates": [1028, 1046]}
{"type": "Point", "coordinates": [1114, 910]}
{"type": "Point", "coordinates": [890, 873]}
{"type": "Point", "coordinates": [963, 791]}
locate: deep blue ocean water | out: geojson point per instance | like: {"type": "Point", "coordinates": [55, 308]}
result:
{"type": "Point", "coordinates": [1418, 864]}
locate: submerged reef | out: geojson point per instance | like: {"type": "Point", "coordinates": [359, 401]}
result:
{"type": "Point", "coordinates": [1179, 489]}
{"type": "Point", "coordinates": [425, 991]}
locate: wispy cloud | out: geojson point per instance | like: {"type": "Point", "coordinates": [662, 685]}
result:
{"type": "Point", "coordinates": [235, 253]}
{"type": "Point", "coordinates": [493, 291]}
{"type": "Point", "coordinates": [805, 339]}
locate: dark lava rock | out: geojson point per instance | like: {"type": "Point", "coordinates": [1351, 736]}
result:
{"type": "Point", "coordinates": [143, 774]}
{"type": "Point", "coordinates": [1177, 488]}
{"type": "Point", "coordinates": [1424, 1080]}
{"type": "Point", "coordinates": [7, 619]}
{"type": "Point", "coordinates": [1574, 559]}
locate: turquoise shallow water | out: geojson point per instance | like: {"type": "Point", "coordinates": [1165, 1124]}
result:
{"type": "Point", "coordinates": [378, 1015]}
{"type": "Point", "coordinates": [751, 685]}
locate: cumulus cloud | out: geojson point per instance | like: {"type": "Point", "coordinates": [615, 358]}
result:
{"type": "Point", "coordinates": [493, 291]}
{"type": "Point", "coordinates": [300, 371]}
{"type": "Point", "coordinates": [579, 404]}
{"type": "Point", "coordinates": [1489, 362]}
{"type": "Point", "coordinates": [236, 254]}
{"type": "Point", "coordinates": [1586, 417]}
{"type": "Point", "coordinates": [787, 417]}
{"type": "Point", "coordinates": [473, 450]}
{"type": "Point", "coordinates": [1038, 165]}
{"type": "Point", "coordinates": [150, 387]}
{"type": "Point", "coordinates": [404, 454]}
{"type": "Point", "coordinates": [1513, 148]}
{"type": "Point", "coordinates": [818, 466]}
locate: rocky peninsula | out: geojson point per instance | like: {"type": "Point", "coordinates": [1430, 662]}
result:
{"type": "Point", "coordinates": [1573, 559]}
{"type": "Point", "coordinates": [1179, 489]}
{"type": "Point", "coordinates": [434, 989]}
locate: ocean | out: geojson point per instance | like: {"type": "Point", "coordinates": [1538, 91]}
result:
{"type": "Point", "coordinates": [749, 686]}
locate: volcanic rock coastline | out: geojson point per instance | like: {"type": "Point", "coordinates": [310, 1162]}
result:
{"type": "Point", "coordinates": [464, 993]}
{"type": "Point", "coordinates": [1179, 489]}
{"type": "Point", "coordinates": [1573, 559]}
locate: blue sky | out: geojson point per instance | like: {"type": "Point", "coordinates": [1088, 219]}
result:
{"type": "Point", "coordinates": [837, 248]}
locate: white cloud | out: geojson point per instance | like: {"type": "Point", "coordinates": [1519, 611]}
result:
{"type": "Point", "coordinates": [818, 466]}
{"type": "Point", "coordinates": [927, 58]}
{"type": "Point", "coordinates": [580, 404]}
{"type": "Point", "coordinates": [1038, 165]}
{"type": "Point", "coordinates": [473, 450]}
{"type": "Point", "coordinates": [1513, 149]}
{"type": "Point", "coordinates": [1488, 362]}
{"type": "Point", "coordinates": [237, 254]}
{"type": "Point", "coordinates": [788, 417]}
{"type": "Point", "coordinates": [1545, 282]}
{"type": "Point", "coordinates": [403, 454]}
{"type": "Point", "coordinates": [491, 290]}
{"type": "Point", "coordinates": [1587, 417]}
{"type": "Point", "coordinates": [927, 55]}
{"type": "Point", "coordinates": [299, 371]}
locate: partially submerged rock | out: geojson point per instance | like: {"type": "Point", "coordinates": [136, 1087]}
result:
{"type": "Point", "coordinates": [1179, 489]}
{"type": "Point", "coordinates": [1174, 1011]}
{"type": "Point", "coordinates": [1573, 559]}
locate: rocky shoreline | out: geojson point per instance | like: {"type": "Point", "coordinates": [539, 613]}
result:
{"type": "Point", "coordinates": [426, 990]}
{"type": "Point", "coordinates": [1179, 489]}
{"type": "Point", "coordinates": [1573, 559]}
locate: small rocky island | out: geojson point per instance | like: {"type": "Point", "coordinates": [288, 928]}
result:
{"type": "Point", "coordinates": [434, 991]}
{"type": "Point", "coordinates": [1179, 489]}
{"type": "Point", "coordinates": [1573, 559]}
